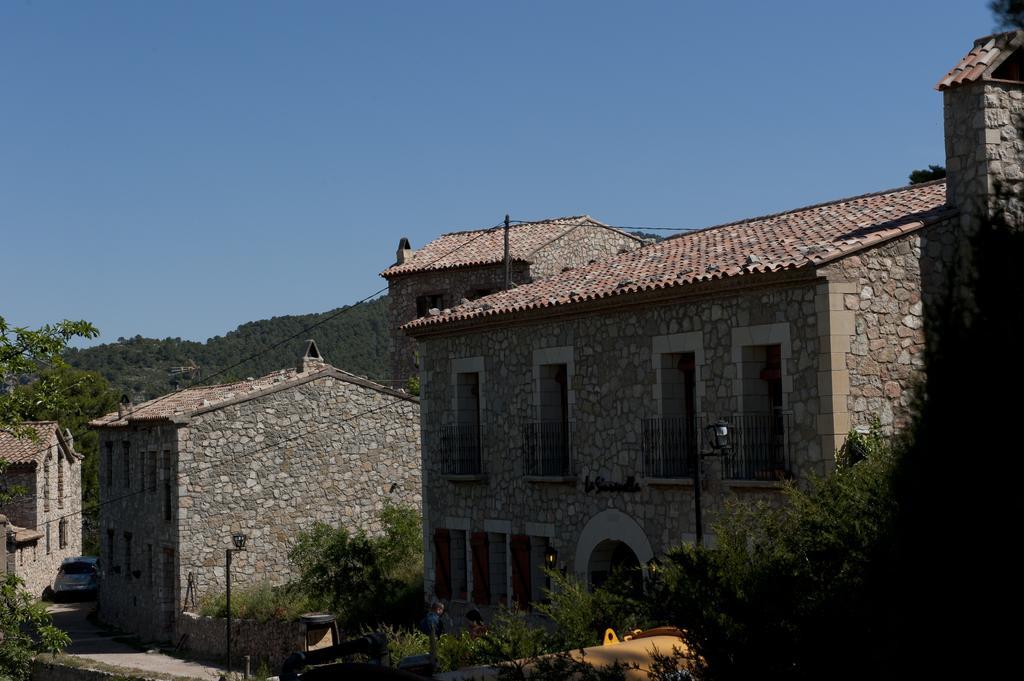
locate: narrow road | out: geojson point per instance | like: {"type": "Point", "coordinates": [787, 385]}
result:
{"type": "Point", "coordinates": [91, 642]}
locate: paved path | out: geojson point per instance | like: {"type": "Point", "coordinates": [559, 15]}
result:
{"type": "Point", "coordinates": [94, 643]}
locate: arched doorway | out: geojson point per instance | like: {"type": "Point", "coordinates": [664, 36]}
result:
{"type": "Point", "coordinates": [611, 538]}
{"type": "Point", "coordinates": [614, 560]}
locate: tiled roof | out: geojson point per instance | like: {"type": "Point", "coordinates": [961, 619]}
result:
{"type": "Point", "coordinates": [487, 246]}
{"type": "Point", "coordinates": [25, 450]}
{"type": "Point", "coordinates": [988, 53]}
{"type": "Point", "coordinates": [189, 401]}
{"type": "Point", "coordinates": [23, 535]}
{"type": "Point", "coordinates": [806, 237]}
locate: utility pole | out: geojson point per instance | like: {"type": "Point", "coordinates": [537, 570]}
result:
{"type": "Point", "coordinates": [508, 260]}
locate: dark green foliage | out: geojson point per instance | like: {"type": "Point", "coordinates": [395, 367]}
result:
{"type": "Point", "coordinates": [582, 614]}
{"type": "Point", "coordinates": [86, 395]}
{"type": "Point", "coordinates": [262, 602]}
{"type": "Point", "coordinates": [25, 629]}
{"type": "Point", "coordinates": [789, 592]}
{"type": "Point", "coordinates": [927, 175]}
{"type": "Point", "coordinates": [364, 580]}
{"type": "Point", "coordinates": [356, 340]}
{"type": "Point", "coordinates": [1009, 13]}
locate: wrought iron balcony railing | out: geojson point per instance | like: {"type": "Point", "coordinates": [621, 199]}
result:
{"type": "Point", "coordinates": [759, 447]}
{"type": "Point", "coordinates": [671, 446]}
{"type": "Point", "coordinates": [548, 449]}
{"type": "Point", "coordinates": [458, 450]}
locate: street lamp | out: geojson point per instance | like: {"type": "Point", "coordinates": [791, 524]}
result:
{"type": "Point", "coordinates": [718, 438]}
{"type": "Point", "coordinates": [238, 539]}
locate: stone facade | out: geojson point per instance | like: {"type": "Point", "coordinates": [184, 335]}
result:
{"type": "Point", "coordinates": [266, 643]}
{"type": "Point", "coordinates": [45, 526]}
{"type": "Point", "coordinates": [570, 249]}
{"type": "Point", "coordinates": [321, 446]}
{"type": "Point", "coordinates": [850, 339]}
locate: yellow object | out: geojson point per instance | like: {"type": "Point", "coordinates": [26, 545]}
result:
{"type": "Point", "coordinates": [610, 638]}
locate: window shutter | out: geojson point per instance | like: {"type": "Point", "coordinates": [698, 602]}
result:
{"type": "Point", "coordinates": [481, 569]}
{"type": "Point", "coordinates": [442, 564]}
{"type": "Point", "coordinates": [521, 587]}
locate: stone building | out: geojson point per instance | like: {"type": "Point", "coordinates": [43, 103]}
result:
{"type": "Point", "coordinates": [563, 420]}
{"type": "Point", "coordinates": [469, 265]}
{"type": "Point", "coordinates": [44, 526]}
{"type": "Point", "coordinates": [267, 457]}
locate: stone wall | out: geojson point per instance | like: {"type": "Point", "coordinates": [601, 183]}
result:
{"type": "Point", "coordinates": [454, 284]}
{"type": "Point", "coordinates": [885, 359]}
{"type": "Point", "coordinates": [37, 563]}
{"type": "Point", "coordinates": [46, 668]}
{"type": "Point", "coordinates": [145, 598]}
{"type": "Point", "coordinates": [268, 643]}
{"type": "Point", "coordinates": [326, 450]}
{"type": "Point", "coordinates": [613, 386]}
{"type": "Point", "coordinates": [578, 247]}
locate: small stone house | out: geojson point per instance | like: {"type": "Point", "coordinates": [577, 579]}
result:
{"type": "Point", "coordinates": [267, 457]}
{"type": "Point", "coordinates": [469, 265]}
{"type": "Point", "coordinates": [563, 420]}
{"type": "Point", "coordinates": [44, 526]}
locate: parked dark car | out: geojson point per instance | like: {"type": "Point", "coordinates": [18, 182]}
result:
{"type": "Point", "coordinates": [77, 578]}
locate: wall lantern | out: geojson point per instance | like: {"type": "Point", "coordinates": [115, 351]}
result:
{"type": "Point", "coordinates": [550, 558]}
{"type": "Point", "coordinates": [718, 435]}
{"type": "Point", "coordinates": [653, 568]}
{"type": "Point", "coordinates": [239, 540]}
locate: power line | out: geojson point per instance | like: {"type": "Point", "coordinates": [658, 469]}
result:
{"type": "Point", "coordinates": [625, 227]}
{"type": "Point", "coordinates": [302, 332]}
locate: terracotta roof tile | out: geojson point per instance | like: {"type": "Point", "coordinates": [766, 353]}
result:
{"type": "Point", "coordinates": [23, 449]}
{"type": "Point", "coordinates": [806, 237]}
{"type": "Point", "coordinates": [487, 246]}
{"type": "Point", "coordinates": [984, 58]}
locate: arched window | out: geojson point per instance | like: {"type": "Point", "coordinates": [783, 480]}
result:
{"type": "Point", "coordinates": [46, 481]}
{"type": "Point", "coordinates": [60, 479]}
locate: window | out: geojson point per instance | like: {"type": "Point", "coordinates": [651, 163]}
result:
{"type": "Point", "coordinates": [165, 473]}
{"type": "Point", "coordinates": [478, 544]}
{"type": "Point", "coordinates": [548, 442]}
{"type": "Point", "coordinates": [425, 303]}
{"type": "Point", "coordinates": [128, 555]}
{"type": "Point", "coordinates": [47, 538]}
{"type": "Point", "coordinates": [60, 478]}
{"type": "Point", "coordinates": [475, 293]}
{"type": "Point", "coordinates": [497, 558]}
{"type": "Point", "coordinates": [126, 468]}
{"type": "Point", "coordinates": [522, 572]}
{"type": "Point", "coordinates": [149, 565]}
{"type": "Point", "coordinates": [110, 549]}
{"type": "Point", "coordinates": [47, 464]}
{"type": "Point", "coordinates": [152, 465]}
{"type": "Point", "coordinates": [460, 582]}
{"type": "Point", "coordinates": [143, 468]}
{"type": "Point", "coordinates": [538, 580]}
{"type": "Point", "coordinates": [110, 464]}
{"type": "Point", "coordinates": [442, 564]}
{"type": "Point", "coordinates": [62, 533]}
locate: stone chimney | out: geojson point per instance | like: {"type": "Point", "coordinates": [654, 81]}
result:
{"type": "Point", "coordinates": [404, 253]}
{"type": "Point", "coordinates": [311, 360]}
{"type": "Point", "coordinates": [983, 111]}
{"type": "Point", "coordinates": [124, 406]}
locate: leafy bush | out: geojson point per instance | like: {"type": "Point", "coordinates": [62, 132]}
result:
{"type": "Point", "coordinates": [262, 602]}
{"type": "Point", "coordinates": [364, 579]}
{"type": "Point", "coordinates": [581, 614]}
{"type": "Point", "coordinates": [789, 591]}
{"type": "Point", "coordinates": [25, 629]}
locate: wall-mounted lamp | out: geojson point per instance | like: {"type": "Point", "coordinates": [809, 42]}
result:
{"type": "Point", "coordinates": [550, 558]}
{"type": "Point", "coordinates": [718, 435]}
{"type": "Point", "coordinates": [238, 539]}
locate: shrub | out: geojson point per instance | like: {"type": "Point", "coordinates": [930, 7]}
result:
{"type": "Point", "coordinates": [25, 629]}
{"type": "Point", "coordinates": [581, 614]}
{"type": "Point", "coordinates": [262, 602]}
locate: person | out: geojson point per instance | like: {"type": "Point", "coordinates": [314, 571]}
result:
{"type": "Point", "coordinates": [431, 623]}
{"type": "Point", "coordinates": [475, 624]}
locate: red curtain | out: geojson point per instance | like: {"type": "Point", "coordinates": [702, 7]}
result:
{"type": "Point", "coordinates": [442, 564]}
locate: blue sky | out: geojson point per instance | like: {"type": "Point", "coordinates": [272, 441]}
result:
{"type": "Point", "coordinates": [178, 168]}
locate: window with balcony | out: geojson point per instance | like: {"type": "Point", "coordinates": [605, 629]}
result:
{"type": "Point", "coordinates": [760, 449]}
{"type": "Point", "coordinates": [671, 441]}
{"type": "Point", "coordinates": [460, 441]}
{"type": "Point", "coordinates": [548, 440]}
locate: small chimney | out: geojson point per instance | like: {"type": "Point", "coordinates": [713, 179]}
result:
{"type": "Point", "coordinates": [124, 406]}
{"type": "Point", "coordinates": [311, 360]}
{"type": "Point", "coordinates": [983, 102]}
{"type": "Point", "coordinates": [405, 251]}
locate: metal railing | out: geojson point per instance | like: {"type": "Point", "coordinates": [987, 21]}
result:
{"type": "Point", "coordinates": [548, 449]}
{"type": "Point", "coordinates": [759, 447]}
{"type": "Point", "coordinates": [458, 450]}
{"type": "Point", "coordinates": [671, 446]}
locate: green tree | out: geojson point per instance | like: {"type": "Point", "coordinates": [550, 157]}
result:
{"type": "Point", "coordinates": [927, 175]}
{"type": "Point", "coordinates": [25, 629]}
{"type": "Point", "coordinates": [364, 579]}
{"type": "Point", "coordinates": [85, 395]}
{"type": "Point", "coordinates": [1009, 13]}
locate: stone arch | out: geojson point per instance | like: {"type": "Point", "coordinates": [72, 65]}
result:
{"type": "Point", "coordinates": [614, 525]}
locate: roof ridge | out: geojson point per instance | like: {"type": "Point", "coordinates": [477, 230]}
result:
{"type": "Point", "coordinates": [545, 221]}
{"type": "Point", "coordinates": [833, 202]}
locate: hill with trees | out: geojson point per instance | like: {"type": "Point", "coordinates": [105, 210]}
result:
{"type": "Point", "coordinates": [354, 338]}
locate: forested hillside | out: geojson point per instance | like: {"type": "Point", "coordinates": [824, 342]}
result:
{"type": "Point", "coordinates": [356, 340]}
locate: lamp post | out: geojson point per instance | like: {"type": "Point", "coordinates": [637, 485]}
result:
{"type": "Point", "coordinates": [238, 539]}
{"type": "Point", "coordinates": [718, 438]}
